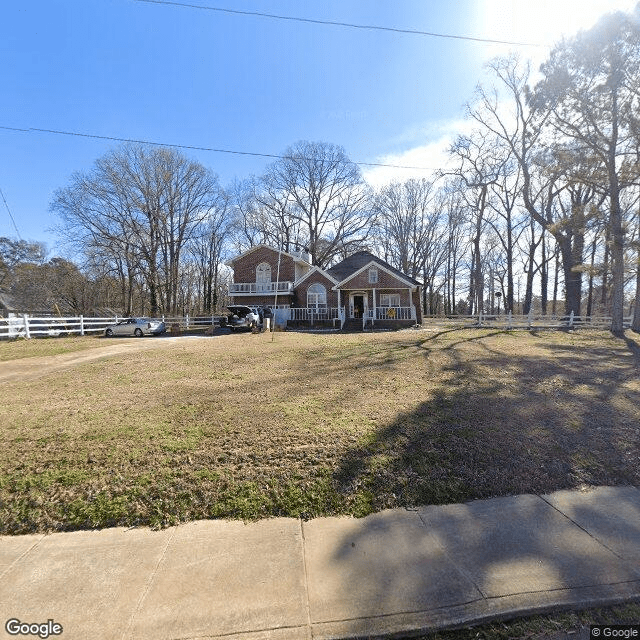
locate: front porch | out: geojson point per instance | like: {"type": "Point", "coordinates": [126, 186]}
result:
{"type": "Point", "coordinates": [355, 317]}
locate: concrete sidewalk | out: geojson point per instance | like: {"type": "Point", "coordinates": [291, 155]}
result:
{"type": "Point", "coordinates": [393, 572]}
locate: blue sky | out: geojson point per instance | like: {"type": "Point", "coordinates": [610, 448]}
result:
{"type": "Point", "coordinates": [188, 76]}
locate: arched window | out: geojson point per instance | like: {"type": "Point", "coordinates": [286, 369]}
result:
{"type": "Point", "coordinates": [263, 277]}
{"type": "Point", "coordinates": [316, 296]}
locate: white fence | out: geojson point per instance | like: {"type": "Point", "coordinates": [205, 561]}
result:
{"type": "Point", "coordinates": [26, 326]}
{"type": "Point", "coordinates": [537, 321]}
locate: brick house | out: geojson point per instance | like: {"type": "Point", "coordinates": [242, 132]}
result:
{"type": "Point", "coordinates": [361, 291]}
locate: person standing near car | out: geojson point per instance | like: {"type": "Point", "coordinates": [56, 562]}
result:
{"type": "Point", "coordinates": [268, 315]}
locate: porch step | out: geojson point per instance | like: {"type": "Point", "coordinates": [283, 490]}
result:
{"type": "Point", "coordinates": [352, 325]}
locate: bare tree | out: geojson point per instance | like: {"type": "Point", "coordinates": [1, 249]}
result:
{"type": "Point", "coordinates": [207, 248]}
{"type": "Point", "coordinates": [140, 206]}
{"type": "Point", "coordinates": [15, 252]}
{"type": "Point", "coordinates": [590, 88]}
{"type": "Point", "coordinates": [548, 167]}
{"type": "Point", "coordinates": [456, 240]}
{"type": "Point", "coordinates": [319, 190]}
{"type": "Point", "coordinates": [481, 162]}
{"type": "Point", "coordinates": [408, 222]}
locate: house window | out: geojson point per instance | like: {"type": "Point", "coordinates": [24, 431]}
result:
{"type": "Point", "coordinates": [263, 277]}
{"type": "Point", "coordinates": [316, 296]}
{"type": "Point", "coordinates": [390, 300]}
{"type": "Point", "coordinates": [373, 276]}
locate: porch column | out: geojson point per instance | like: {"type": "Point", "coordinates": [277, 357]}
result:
{"type": "Point", "coordinates": [414, 317]}
{"type": "Point", "coordinates": [373, 318]}
{"type": "Point", "coordinates": [338, 302]}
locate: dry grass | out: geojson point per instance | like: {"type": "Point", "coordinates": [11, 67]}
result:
{"type": "Point", "coordinates": [239, 426]}
{"type": "Point", "coordinates": [21, 348]}
{"type": "Point", "coordinates": [568, 625]}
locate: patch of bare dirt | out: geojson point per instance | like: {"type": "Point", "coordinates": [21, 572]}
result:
{"type": "Point", "coordinates": [36, 367]}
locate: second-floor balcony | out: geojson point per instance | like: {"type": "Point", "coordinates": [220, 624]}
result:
{"type": "Point", "coordinates": [260, 288]}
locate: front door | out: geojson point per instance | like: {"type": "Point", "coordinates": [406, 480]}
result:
{"type": "Point", "coordinates": [358, 306]}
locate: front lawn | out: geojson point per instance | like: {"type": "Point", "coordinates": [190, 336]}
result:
{"type": "Point", "coordinates": [239, 426]}
{"type": "Point", "coordinates": [36, 347]}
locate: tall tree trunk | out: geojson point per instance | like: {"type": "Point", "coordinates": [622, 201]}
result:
{"type": "Point", "coordinates": [594, 245]}
{"type": "Point", "coordinates": [544, 276]}
{"type": "Point", "coordinates": [617, 228]}
{"type": "Point", "coordinates": [556, 277]}
{"type": "Point", "coordinates": [572, 279]}
{"type": "Point", "coordinates": [604, 294]}
{"type": "Point", "coordinates": [617, 267]}
{"type": "Point", "coordinates": [635, 323]}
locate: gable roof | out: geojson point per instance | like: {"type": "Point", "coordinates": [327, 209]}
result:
{"type": "Point", "coordinates": [323, 272]}
{"type": "Point", "coordinates": [293, 256]}
{"type": "Point", "coordinates": [358, 261]}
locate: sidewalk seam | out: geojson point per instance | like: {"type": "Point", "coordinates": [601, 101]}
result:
{"type": "Point", "coordinates": [582, 528]}
{"type": "Point", "coordinates": [306, 581]}
{"type": "Point", "coordinates": [147, 587]}
{"type": "Point", "coordinates": [22, 555]}
{"type": "Point", "coordinates": [461, 570]}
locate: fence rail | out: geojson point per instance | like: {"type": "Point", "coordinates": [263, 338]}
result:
{"type": "Point", "coordinates": [538, 321]}
{"type": "Point", "coordinates": [26, 326]}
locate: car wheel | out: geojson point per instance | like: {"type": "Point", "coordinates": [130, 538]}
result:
{"type": "Point", "coordinates": [108, 333]}
{"type": "Point", "coordinates": [138, 333]}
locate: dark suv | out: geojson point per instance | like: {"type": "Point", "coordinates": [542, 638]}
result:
{"type": "Point", "coordinates": [243, 317]}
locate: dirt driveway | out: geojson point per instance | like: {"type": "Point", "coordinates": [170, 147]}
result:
{"type": "Point", "coordinates": [31, 368]}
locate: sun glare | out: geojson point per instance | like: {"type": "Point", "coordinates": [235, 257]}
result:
{"type": "Point", "coordinates": [543, 21]}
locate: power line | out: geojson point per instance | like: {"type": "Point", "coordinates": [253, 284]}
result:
{"type": "Point", "coordinates": [334, 23]}
{"type": "Point", "coordinates": [196, 148]}
{"type": "Point", "coordinates": [10, 215]}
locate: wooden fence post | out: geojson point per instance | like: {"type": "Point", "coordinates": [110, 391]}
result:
{"type": "Point", "coordinates": [27, 333]}
{"type": "Point", "coordinates": [571, 319]}
{"type": "Point", "coordinates": [81, 325]}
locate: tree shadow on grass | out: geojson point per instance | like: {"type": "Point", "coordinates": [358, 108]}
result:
{"type": "Point", "coordinates": [535, 425]}
{"type": "Point", "coordinates": [506, 424]}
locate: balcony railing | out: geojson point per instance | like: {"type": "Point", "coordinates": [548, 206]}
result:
{"type": "Point", "coordinates": [247, 288]}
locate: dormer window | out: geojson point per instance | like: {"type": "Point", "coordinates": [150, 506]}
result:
{"type": "Point", "coordinates": [373, 276]}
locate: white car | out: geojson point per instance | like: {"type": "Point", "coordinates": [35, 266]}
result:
{"type": "Point", "coordinates": [137, 327]}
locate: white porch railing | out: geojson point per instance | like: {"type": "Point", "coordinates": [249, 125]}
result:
{"type": "Point", "coordinates": [239, 288]}
{"type": "Point", "coordinates": [314, 313]}
{"type": "Point", "coordinates": [394, 313]}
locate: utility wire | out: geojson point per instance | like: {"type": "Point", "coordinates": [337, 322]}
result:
{"type": "Point", "coordinates": [334, 23]}
{"type": "Point", "coordinates": [10, 215]}
{"type": "Point", "coordinates": [196, 148]}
